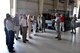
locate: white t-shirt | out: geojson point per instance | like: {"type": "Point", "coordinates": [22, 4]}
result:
{"type": "Point", "coordinates": [9, 25]}
{"type": "Point", "coordinates": [23, 22]}
{"type": "Point", "coordinates": [56, 19]}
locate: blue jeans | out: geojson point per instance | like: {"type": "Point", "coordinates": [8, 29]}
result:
{"type": "Point", "coordinates": [11, 39]}
{"type": "Point", "coordinates": [7, 37]}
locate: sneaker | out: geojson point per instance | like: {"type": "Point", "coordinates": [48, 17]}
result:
{"type": "Point", "coordinates": [30, 37]}
{"type": "Point", "coordinates": [11, 51]}
{"type": "Point", "coordinates": [59, 38]}
{"type": "Point", "coordinates": [24, 41]}
{"type": "Point", "coordinates": [27, 40]}
{"type": "Point", "coordinates": [18, 38]}
{"type": "Point", "coordinates": [35, 34]}
{"type": "Point", "coordinates": [12, 47]}
{"type": "Point", "coordinates": [56, 37]}
{"type": "Point", "coordinates": [74, 32]}
{"type": "Point", "coordinates": [71, 32]}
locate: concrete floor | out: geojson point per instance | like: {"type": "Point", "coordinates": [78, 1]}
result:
{"type": "Point", "coordinates": [45, 43]}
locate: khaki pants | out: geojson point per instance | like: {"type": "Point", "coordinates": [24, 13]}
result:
{"type": "Point", "coordinates": [34, 28]}
{"type": "Point", "coordinates": [29, 32]}
{"type": "Point", "coordinates": [62, 26]}
{"type": "Point", "coordinates": [16, 28]}
{"type": "Point", "coordinates": [24, 33]}
{"type": "Point", "coordinates": [58, 32]}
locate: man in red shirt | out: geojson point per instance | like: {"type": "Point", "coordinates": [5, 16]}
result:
{"type": "Point", "coordinates": [62, 22]}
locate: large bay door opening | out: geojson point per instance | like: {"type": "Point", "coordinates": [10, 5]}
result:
{"type": "Point", "coordinates": [4, 8]}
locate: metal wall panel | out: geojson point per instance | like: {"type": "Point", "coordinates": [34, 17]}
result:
{"type": "Point", "coordinates": [25, 7]}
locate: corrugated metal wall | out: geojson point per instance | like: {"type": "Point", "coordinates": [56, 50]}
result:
{"type": "Point", "coordinates": [27, 7]}
{"type": "Point", "coordinates": [48, 5]}
{"type": "Point", "coordinates": [31, 6]}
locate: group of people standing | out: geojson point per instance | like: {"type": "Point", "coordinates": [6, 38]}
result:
{"type": "Point", "coordinates": [26, 23]}
{"type": "Point", "coordinates": [59, 24]}
{"type": "Point", "coordinates": [12, 26]}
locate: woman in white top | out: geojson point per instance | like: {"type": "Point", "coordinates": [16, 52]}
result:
{"type": "Point", "coordinates": [29, 22]}
{"type": "Point", "coordinates": [39, 23]}
{"type": "Point", "coordinates": [34, 25]}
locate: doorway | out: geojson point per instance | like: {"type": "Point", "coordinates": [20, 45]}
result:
{"type": "Point", "coordinates": [4, 8]}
